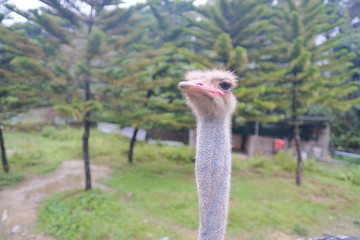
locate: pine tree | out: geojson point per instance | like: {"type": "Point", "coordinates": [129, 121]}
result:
{"type": "Point", "coordinates": [82, 29]}
{"type": "Point", "coordinates": [150, 71]}
{"type": "Point", "coordinates": [236, 35]}
{"type": "Point", "coordinates": [314, 72]}
{"type": "Point", "coordinates": [18, 90]}
{"type": "Point", "coordinates": [345, 127]}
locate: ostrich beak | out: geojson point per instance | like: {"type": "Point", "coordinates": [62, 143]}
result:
{"type": "Point", "coordinates": [198, 87]}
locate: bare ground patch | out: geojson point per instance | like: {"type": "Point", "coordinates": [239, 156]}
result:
{"type": "Point", "coordinates": [19, 205]}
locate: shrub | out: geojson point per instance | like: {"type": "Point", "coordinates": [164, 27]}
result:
{"type": "Point", "coordinates": [286, 161]}
{"type": "Point", "coordinates": [61, 133]}
{"type": "Point", "coordinates": [283, 160]}
{"type": "Point", "coordinates": [262, 163]}
{"type": "Point", "coordinates": [179, 154]}
{"type": "Point", "coordinates": [48, 131]}
{"type": "Point", "coordinates": [9, 179]}
{"type": "Point", "coordinates": [351, 175]}
{"type": "Point", "coordinates": [94, 215]}
{"type": "Point", "coordinates": [27, 158]}
{"type": "Point", "coordinates": [172, 153]}
{"type": "Point", "coordinates": [28, 127]}
{"type": "Point", "coordinates": [300, 230]}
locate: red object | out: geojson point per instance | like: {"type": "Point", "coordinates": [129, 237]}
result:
{"type": "Point", "coordinates": [278, 144]}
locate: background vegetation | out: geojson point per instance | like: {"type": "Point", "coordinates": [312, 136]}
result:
{"type": "Point", "coordinates": [96, 61]}
{"type": "Point", "coordinates": [156, 196]}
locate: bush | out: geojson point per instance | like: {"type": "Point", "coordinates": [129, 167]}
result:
{"type": "Point", "coordinates": [172, 153]}
{"type": "Point", "coordinates": [48, 131]}
{"type": "Point", "coordinates": [74, 215]}
{"type": "Point", "coordinates": [28, 127]}
{"type": "Point", "coordinates": [93, 215]}
{"type": "Point", "coordinates": [61, 133]}
{"type": "Point", "coordinates": [9, 179]}
{"type": "Point", "coordinates": [282, 161]}
{"type": "Point", "coordinates": [262, 163]}
{"type": "Point", "coordinates": [300, 230]}
{"type": "Point", "coordinates": [351, 175]}
{"type": "Point", "coordinates": [286, 161]}
{"type": "Point", "coordinates": [27, 159]}
{"type": "Point", "coordinates": [179, 154]}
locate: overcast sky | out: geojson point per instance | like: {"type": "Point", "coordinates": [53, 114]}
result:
{"type": "Point", "coordinates": [23, 5]}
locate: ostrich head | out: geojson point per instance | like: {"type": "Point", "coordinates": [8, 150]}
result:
{"type": "Point", "coordinates": [208, 93]}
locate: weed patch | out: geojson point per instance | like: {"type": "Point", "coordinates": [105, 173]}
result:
{"type": "Point", "coordinates": [9, 179]}
{"type": "Point", "coordinates": [94, 215]}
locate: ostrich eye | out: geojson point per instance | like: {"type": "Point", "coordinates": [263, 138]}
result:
{"type": "Point", "coordinates": [226, 86]}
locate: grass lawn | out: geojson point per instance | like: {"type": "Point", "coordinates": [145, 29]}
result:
{"type": "Point", "coordinates": [41, 151]}
{"type": "Point", "coordinates": [156, 196]}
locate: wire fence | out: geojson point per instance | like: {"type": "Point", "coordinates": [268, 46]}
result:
{"type": "Point", "coordinates": [344, 158]}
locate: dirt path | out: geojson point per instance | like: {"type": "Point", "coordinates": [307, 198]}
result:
{"type": "Point", "coordinates": [18, 205]}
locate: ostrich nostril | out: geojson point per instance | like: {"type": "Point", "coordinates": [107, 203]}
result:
{"type": "Point", "coordinates": [200, 84]}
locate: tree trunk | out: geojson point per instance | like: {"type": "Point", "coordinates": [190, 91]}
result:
{"type": "Point", "coordinates": [299, 157]}
{"type": "Point", "coordinates": [133, 139]}
{"type": "Point", "coordinates": [3, 152]}
{"type": "Point", "coordinates": [132, 145]}
{"type": "Point", "coordinates": [86, 137]}
{"type": "Point", "coordinates": [294, 108]}
{"type": "Point", "coordinates": [87, 122]}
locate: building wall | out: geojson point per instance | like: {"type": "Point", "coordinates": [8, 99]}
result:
{"type": "Point", "coordinates": [45, 115]}
{"type": "Point", "coordinates": [312, 148]}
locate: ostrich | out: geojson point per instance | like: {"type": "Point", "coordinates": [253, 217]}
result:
{"type": "Point", "coordinates": [208, 94]}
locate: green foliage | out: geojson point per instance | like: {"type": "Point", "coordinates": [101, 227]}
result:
{"type": "Point", "coordinates": [32, 152]}
{"type": "Point", "coordinates": [48, 131]}
{"type": "Point", "coordinates": [92, 215]}
{"type": "Point", "coordinates": [161, 191]}
{"type": "Point", "coordinates": [152, 184]}
{"type": "Point", "coordinates": [146, 153]}
{"type": "Point", "coordinates": [282, 161]}
{"type": "Point", "coordinates": [94, 44]}
{"type": "Point", "coordinates": [50, 24]}
{"type": "Point", "coordinates": [345, 130]}
{"type": "Point", "coordinates": [18, 44]}
{"type": "Point", "coordinates": [10, 179]}
{"type": "Point", "coordinates": [22, 75]}
{"type": "Point", "coordinates": [30, 67]}
{"type": "Point", "coordinates": [151, 69]}
{"type": "Point", "coordinates": [61, 133]}
{"type": "Point", "coordinates": [35, 153]}
{"type": "Point", "coordinates": [285, 161]}
{"type": "Point", "coordinates": [223, 47]}
{"type": "Point", "coordinates": [76, 110]}
{"type": "Point", "coordinates": [237, 35]}
{"type": "Point", "coordinates": [313, 70]}
{"type": "Point", "coordinates": [300, 230]}
{"type": "Point", "coordinates": [169, 22]}
{"type": "Point", "coordinates": [156, 196]}
{"type": "Point", "coordinates": [350, 175]}
{"type": "Point", "coordinates": [131, 51]}
{"type": "Point", "coordinates": [239, 60]}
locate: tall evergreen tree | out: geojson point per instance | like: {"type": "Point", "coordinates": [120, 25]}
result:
{"type": "Point", "coordinates": [345, 129]}
{"type": "Point", "coordinates": [236, 35]}
{"type": "Point", "coordinates": [149, 72]}
{"type": "Point", "coordinates": [79, 28]}
{"type": "Point", "coordinates": [314, 72]}
{"type": "Point", "coordinates": [19, 56]}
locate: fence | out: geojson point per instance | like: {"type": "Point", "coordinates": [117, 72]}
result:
{"type": "Point", "coordinates": [344, 158]}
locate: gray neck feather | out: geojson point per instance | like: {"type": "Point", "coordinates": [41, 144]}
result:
{"type": "Point", "coordinates": [213, 169]}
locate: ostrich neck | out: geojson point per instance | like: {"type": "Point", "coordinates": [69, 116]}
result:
{"type": "Point", "coordinates": [212, 170]}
